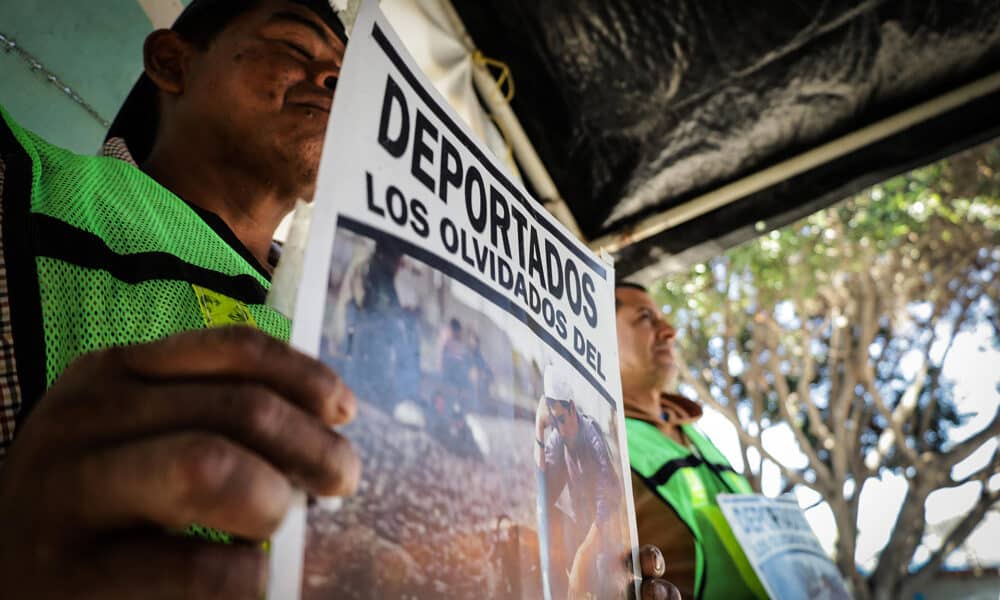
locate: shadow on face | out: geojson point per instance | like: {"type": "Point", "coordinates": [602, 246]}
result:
{"type": "Point", "coordinates": [563, 415]}
{"type": "Point", "coordinates": [256, 98]}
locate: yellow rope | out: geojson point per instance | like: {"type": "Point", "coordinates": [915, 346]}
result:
{"type": "Point", "coordinates": [505, 78]}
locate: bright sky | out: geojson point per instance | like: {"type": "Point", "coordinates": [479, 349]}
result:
{"type": "Point", "coordinates": [972, 365]}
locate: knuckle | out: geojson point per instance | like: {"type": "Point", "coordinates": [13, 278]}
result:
{"type": "Point", "coordinates": [245, 342]}
{"type": "Point", "coordinates": [204, 463]}
{"type": "Point", "coordinates": [98, 361]}
{"type": "Point", "coordinates": [651, 591]}
{"type": "Point", "coordinates": [90, 384]}
{"type": "Point", "coordinates": [259, 343]}
{"type": "Point", "coordinates": [325, 395]}
{"type": "Point", "coordinates": [657, 589]}
{"type": "Point", "coordinates": [262, 411]}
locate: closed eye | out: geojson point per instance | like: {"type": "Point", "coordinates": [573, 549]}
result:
{"type": "Point", "coordinates": [299, 50]}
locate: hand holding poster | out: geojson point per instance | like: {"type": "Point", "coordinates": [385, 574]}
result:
{"type": "Point", "coordinates": [479, 339]}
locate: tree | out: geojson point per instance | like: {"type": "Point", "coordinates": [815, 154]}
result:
{"type": "Point", "coordinates": [839, 325]}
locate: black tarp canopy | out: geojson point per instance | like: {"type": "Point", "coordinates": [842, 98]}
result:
{"type": "Point", "coordinates": [674, 129]}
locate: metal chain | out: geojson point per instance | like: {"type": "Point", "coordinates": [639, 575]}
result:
{"type": "Point", "coordinates": [9, 45]}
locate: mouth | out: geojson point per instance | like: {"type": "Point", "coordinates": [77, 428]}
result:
{"type": "Point", "coordinates": [317, 105]}
{"type": "Point", "coordinates": [312, 99]}
{"type": "Point", "coordinates": [664, 349]}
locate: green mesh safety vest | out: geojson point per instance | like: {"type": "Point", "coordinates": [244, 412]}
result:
{"type": "Point", "coordinates": [688, 482]}
{"type": "Point", "coordinates": [122, 260]}
{"type": "Point", "coordinates": [98, 254]}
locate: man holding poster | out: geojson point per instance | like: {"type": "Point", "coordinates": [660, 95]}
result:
{"type": "Point", "coordinates": [125, 415]}
{"type": "Point", "coordinates": [127, 432]}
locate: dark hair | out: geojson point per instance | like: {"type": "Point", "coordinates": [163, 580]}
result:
{"type": "Point", "coordinates": [558, 402]}
{"type": "Point", "coordinates": [199, 23]}
{"type": "Point", "coordinates": [205, 19]}
{"type": "Point", "coordinates": [551, 403]}
{"type": "Point", "coordinates": [622, 284]}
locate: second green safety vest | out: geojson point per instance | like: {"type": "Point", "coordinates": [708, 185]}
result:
{"type": "Point", "coordinates": [688, 482]}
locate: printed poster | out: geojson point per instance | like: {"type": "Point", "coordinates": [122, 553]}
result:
{"type": "Point", "coordinates": [782, 548]}
{"type": "Point", "coordinates": [478, 336]}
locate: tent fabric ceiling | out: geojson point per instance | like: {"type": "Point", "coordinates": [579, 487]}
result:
{"type": "Point", "coordinates": [638, 106]}
{"type": "Point", "coordinates": [635, 108]}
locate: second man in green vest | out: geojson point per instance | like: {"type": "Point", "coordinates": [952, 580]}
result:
{"type": "Point", "coordinates": [676, 471]}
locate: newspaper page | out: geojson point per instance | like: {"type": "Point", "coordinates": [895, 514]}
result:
{"type": "Point", "coordinates": [479, 339]}
{"type": "Point", "coordinates": [782, 548]}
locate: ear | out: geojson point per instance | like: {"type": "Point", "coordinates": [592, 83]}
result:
{"type": "Point", "coordinates": [165, 56]}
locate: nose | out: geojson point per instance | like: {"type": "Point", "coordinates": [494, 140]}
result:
{"type": "Point", "coordinates": [325, 74]}
{"type": "Point", "coordinates": [665, 331]}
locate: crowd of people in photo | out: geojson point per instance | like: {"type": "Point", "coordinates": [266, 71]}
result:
{"type": "Point", "coordinates": [409, 358]}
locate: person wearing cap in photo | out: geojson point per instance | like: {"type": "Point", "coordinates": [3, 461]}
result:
{"type": "Point", "coordinates": [129, 409]}
{"type": "Point", "coordinates": [572, 454]}
{"type": "Point", "coordinates": [676, 471]}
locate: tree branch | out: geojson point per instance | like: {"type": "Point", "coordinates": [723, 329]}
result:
{"type": "Point", "coordinates": [983, 475]}
{"type": "Point", "coordinates": [908, 401]}
{"type": "Point", "coordinates": [703, 392]}
{"type": "Point", "coordinates": [823, 474]}
{"type": "Point", "coordinates": [928, 412]}
{"type": "Point", "coordinates": [958, 534]}
{"type": "Point", "coordinates": [816, 424]}
{"type": "Point", "coordinates": [730, 414]}
{"type": "Point", "coordinates": [962, 451]}
{"type": "Point", "coordinates": [896, 429]}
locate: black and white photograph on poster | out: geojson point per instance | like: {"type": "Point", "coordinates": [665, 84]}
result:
{"type": "Point", "coordinates": [478, 337]}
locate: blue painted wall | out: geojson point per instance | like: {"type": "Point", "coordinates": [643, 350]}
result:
{"type": "Point", "coordinates": [95, 47]}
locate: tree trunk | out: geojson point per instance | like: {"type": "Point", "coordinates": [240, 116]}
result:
{"type": "Point", "coordinates": [907, 532]}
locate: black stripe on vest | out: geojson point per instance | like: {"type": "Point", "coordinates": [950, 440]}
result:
{"type": "Point", "coordinates": [59, 240]}
{"type": "Point", "coordinates": [22, 278]}
{"type": "Point", "coordinates": [664, 473]}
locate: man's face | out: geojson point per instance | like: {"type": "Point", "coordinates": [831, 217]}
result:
{"type": "Point", "coordinates": [645, 340]}
{"type": "Point", "coordinates": [563, 416]}
{"type": "Point", "coordinates": [259, 96]}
